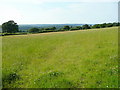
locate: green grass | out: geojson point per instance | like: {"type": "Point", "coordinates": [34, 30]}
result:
{"type": "Point", "coordinates": [80, 59]}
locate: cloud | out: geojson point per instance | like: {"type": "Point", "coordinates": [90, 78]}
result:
{"type": "Point", "coordinates": [48, 1]}
{"type": "Point", "coordinates": [27, 11]}
{"type": "Point", "coordinates": [9, 13]}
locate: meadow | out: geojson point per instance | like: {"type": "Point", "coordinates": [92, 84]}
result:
{"type": "Point", "coordinates": [75, 59]}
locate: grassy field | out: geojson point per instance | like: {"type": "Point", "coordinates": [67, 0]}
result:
{"type": "Point", "coordinates": [79, 59]}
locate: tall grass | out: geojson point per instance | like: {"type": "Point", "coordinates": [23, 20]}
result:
{"type": "Point", "coordinates": [81, 59]}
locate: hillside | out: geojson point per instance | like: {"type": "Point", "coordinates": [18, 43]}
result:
{"type": "Point", "coordinates": [25, 27]}
{"type": "Point", "coordinates": [75, 59]}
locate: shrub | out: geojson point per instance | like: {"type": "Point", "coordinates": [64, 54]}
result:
{"type": "Point", "coordinates": [33, 30]}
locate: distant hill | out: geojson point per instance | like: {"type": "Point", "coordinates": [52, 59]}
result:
{"type": "Point", "coordinates": [25, 27]}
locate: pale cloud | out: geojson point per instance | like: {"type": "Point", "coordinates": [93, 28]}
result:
{"type": "Point", "coordinates": [45, 1]}
{"type": "Point", "coordinates": [32, 11]}
{"type": "Point", "coordinates": [55, 15]}
{"type": "Point", "coordinates": [9, 13]}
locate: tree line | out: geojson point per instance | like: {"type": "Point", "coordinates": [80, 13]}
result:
{"type": "Point", "coordinates": [12, 27]}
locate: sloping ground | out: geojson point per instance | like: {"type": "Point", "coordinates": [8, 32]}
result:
{"type": "Point", "coordinates": [80, 59]}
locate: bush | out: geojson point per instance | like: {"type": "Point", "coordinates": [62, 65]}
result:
{"type": "Point", "coordinates": [96, 26]}
{"type": "Point", "coordinates": [86, 26]}
{"type": "Point", "coordinates": [74, 29]}
{"type": "Point", "coordinates": [79, 27]}
{"type": "Point", "coordinates": [109, 25]}
{"type": "Point", "coordinates": [66, 28]}
{"type": "Point", "coordinates": [33, 30]}
{"type": "Point", "coordinates": [103, 25]}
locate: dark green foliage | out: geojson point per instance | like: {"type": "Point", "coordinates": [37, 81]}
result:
{"type": "Point", "coordinates": [47, 29]}
{"type": "Point", "coordinates": [86, 26]}
{"type": "Point", "coordinates": [96, 26]}
{"type": "Point", "coordinates": [116, 24]}
{"type": "Point", "coordinates": [103, 25]}
{"type": "Point", "coordinates": [53, 28]}
{"type": "Point", "coordinates": [66, 28]}
{"type": "Point", "coordinates": [11, 78]}
{"type": "Point", "coordinates": [74, 29]}
{"type": "Point", "coordinates": [41, 30]}
{"type": "Point", "coordinates": [33, 30]}
{"type": "Point", "coordinates": [109, 25]}
{"type": "Point", "coordinates": [10, 27]}
{"type": "Point", "coordinates": [79, 27]}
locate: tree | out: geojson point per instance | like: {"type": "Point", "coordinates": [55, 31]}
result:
{"type": "Point", "coordinates": [79, 27]}
{"type": "Point", "coordinates": [10, 27]}
{"type": "Point", "coordinates": [103, 25]}
{"type": "Point", "coordinates": [53, 28]}
{"type": "Point", "coordinates": [66, 27]}
{"type": "Point", "coordinates": [116, 24]}
{"type": "Point", "coordinates": [41, 29]}
{"type": "Point", "coordinates": [74, 28]}
{"type": "Point", "coordinates": [96, 26]}
{"type": "Point", "coordinates": [86, 26]}
{"type": "Point", "coordinates": [47, 29]}
{"type": "Point", "coordinates": [109, 25]}
{"type": "Point", "coordinates": [33, 30]}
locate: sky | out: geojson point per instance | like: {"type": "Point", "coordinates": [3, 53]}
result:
{"type": "Point", "coordinates": [59, 11]}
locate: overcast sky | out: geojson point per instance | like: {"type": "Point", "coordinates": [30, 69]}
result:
{"type": "Point", "coordinates": [59, 11]}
